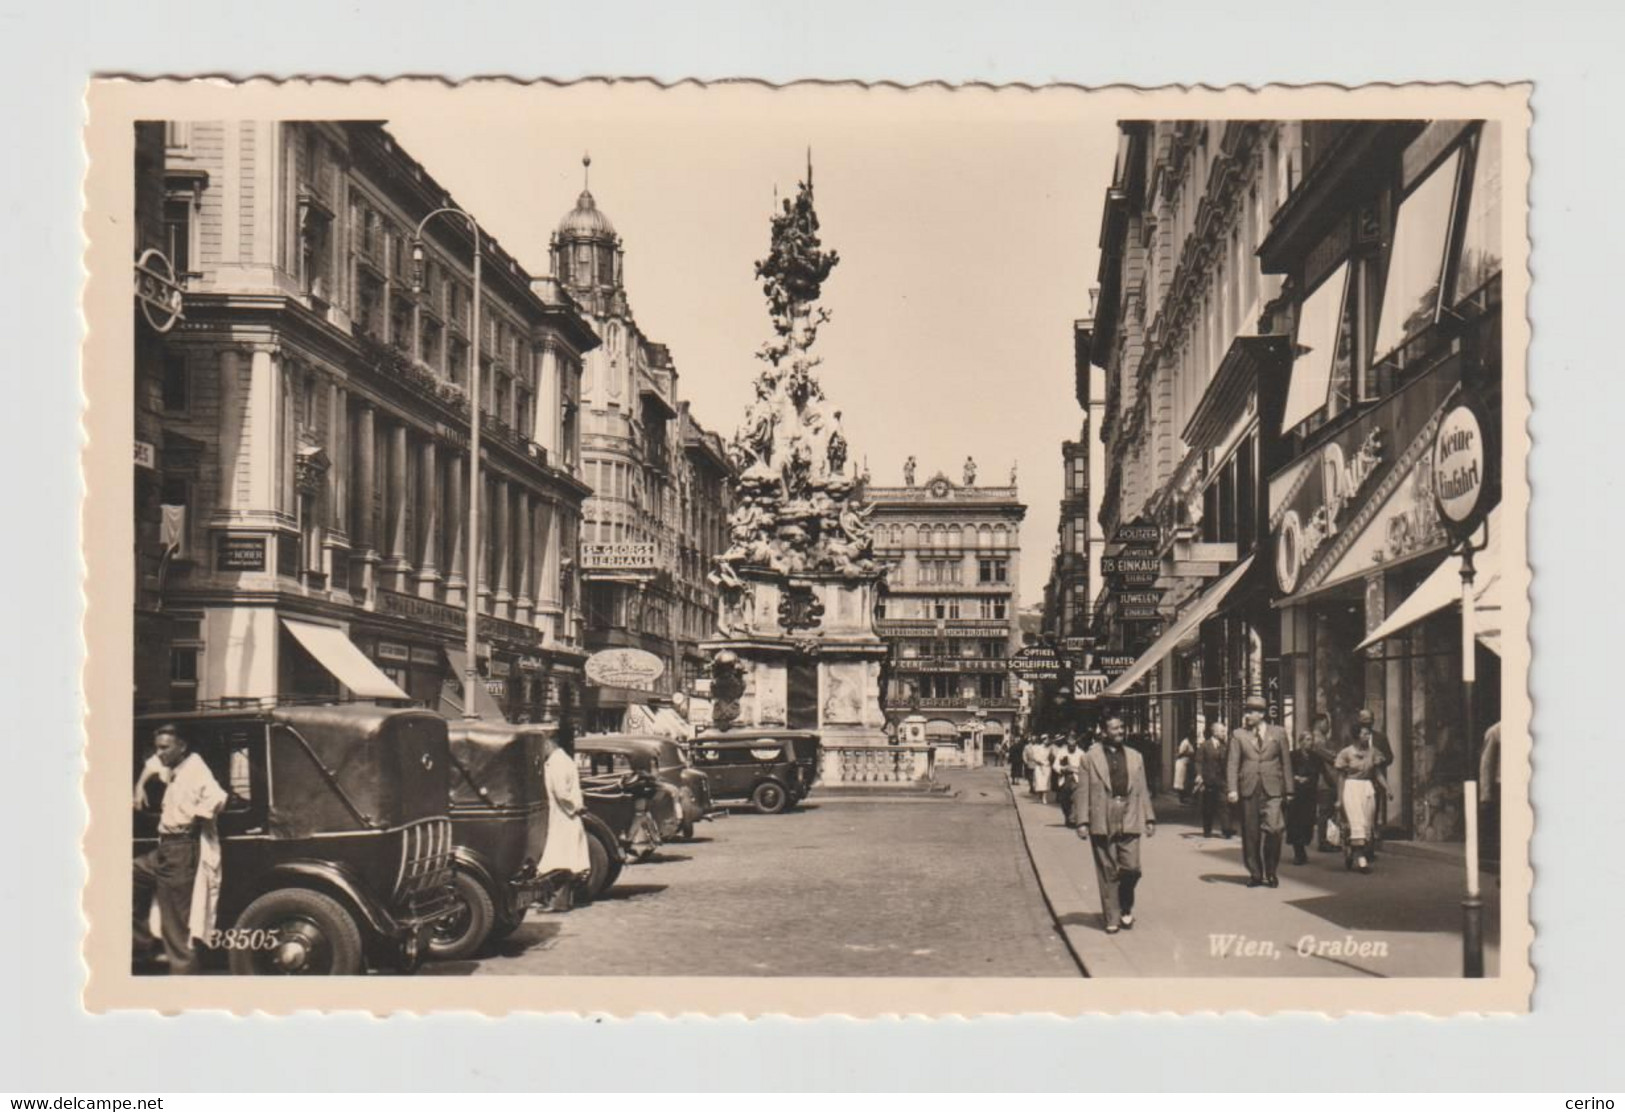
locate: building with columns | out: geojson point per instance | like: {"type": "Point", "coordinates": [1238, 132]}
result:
{"type": "Point", "coordinates": [657, 516]}
{"type": "Point", "coordinates": [314, 430]}
{"type": "Point", "coordinates": [953, 556]}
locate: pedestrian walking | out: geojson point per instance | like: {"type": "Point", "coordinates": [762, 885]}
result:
{"type": "Point", "coordinates": [1489, 795]}
{"type": "Point", "coordinates": [1212, 779]}
{"type": "Point", "coordinates": [1366, 721]}
{"type": "Point", "coordinates": [1359, 766]}
{"type": "Point", "coordinates": [1327, 806]}
{"type": "Point", "coordinates": [565, 860]}
{"type": "Point", "coordinates": [1259, 777]}
{"type": "Point", "coordinates": [1184, 759]}
{"type": "Point", "coordinates": [1068, 767]}
{"type": "Point", "coordinates": [1111, 809]}
{"type": "Point", "coordinates": [1018, 763]}
{"type": "Point", "coordinates": [183, 873]}
{"type": "Point", "coordinates": [1301, 812]}
{"type": "Point", "coordinates": [1038, 760]}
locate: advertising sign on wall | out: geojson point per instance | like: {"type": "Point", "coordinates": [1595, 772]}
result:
{"type": "Point", "coordinates": [632, 668]}
{"type": "Point", "coordinates": [619, 556]}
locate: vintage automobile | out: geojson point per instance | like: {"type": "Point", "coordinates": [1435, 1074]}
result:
{"type": "Point", "coordinates": [683, 797]}
{"type": "Point", "coordinates": [336, 852]}
{"type": "Point", "coordinates": [771, 770]}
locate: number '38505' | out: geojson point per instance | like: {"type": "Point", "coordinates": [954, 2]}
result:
{"type": "Point", "coordinates": [241, 939]}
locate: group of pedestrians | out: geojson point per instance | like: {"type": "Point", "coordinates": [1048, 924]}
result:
{"type": "Point", "coordinates": [1281, 792]}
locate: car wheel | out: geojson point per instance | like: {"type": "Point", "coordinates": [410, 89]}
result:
{"type": "Point", "coordinates": [686, 830]}
{"type": "Point", "coordinates": [459, 934]}
{"type": "Point", "coordinates": [769, 798]}
{"type": "Point", "coordinates": [601, 870]}
{"type": "Point", "coordinates": [506, 925]}
{"type": "Point", "coordinates": [308, 933]}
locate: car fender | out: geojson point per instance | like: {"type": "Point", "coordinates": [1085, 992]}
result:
{"type": "Point", "coordinates": [476, 866]}
{"type": "Point", "coordinates": [336, 881]}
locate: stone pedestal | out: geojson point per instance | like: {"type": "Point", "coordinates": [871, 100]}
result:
{"type": "Point", "coordinates": [811, 656]}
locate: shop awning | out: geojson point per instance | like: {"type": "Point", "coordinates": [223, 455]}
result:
{"type": "Point", "coordinates": [335, 651]}
{"type": "Point", "coordinates": [451, 694]}
{"type": "Point", "coordinates": [1195, 614]}
{"type": "Point", "coordinates": [1443, 588]}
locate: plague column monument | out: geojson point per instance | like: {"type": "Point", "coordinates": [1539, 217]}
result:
{"type": "Point", "coordinates": [796, 643]}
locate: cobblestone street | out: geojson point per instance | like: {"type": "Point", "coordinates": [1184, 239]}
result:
{"type": "Point", "coordinates": [839, 887]}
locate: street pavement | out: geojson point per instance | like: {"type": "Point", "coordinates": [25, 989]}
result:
{"type": "Point", "coordinates": [1195, 916]}
{"type": "Point", "coordinates": [892, 887]}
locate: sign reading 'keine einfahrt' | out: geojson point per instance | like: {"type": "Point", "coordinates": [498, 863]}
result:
{"type": "Point", "coordinates": [1460, 466]}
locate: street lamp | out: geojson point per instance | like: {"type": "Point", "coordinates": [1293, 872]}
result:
{"type": "Point", "coordinates": [471, 553]}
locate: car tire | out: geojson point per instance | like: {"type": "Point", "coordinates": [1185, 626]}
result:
{"type": "Point", "coordinates": [317, 936]}
{"type": "Point", "coordinates": [686, 830]}
{"type": "Point", "coordinates": [506, 925]}
{"type": "Point", "coordinates": [460, 935]}
{"type": "Point", "coordinates": [602, 870]}
{"type": "Point", "coordinates": [769, 798]}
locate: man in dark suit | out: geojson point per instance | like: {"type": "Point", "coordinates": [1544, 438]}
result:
{"type": "Point", "coordinates": [1111, 809]}
{"type": "Point", "coordinates": [1212, 779]}
{"type": "Point", "coordinates": [1259, 774]}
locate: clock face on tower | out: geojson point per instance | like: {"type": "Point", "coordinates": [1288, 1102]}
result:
{"type": "Point", "coordinates": [939, 488]}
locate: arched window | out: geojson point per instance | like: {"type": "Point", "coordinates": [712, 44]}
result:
{"type": "Point", "coordinates": [954, 537]}
{"type": "Point", "coordinates": [984, 537]}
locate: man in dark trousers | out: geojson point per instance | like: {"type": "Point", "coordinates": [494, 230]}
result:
{"type": "Point", "coordinates": [1212, 779]}
{"type": "Point", "coordinates": [1111, 809]}
{"type": "Point", "coordinates": [1259, 774]}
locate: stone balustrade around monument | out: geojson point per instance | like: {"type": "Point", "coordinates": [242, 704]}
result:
{"type": "Point", "coordinates": [845, 765]}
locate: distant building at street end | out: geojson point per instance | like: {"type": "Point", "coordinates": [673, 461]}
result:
{"type": "Point", "coordinates": [953, 554]}
{"type": "Point", "coordinates": [307, 429]}
{"type": "Point", "coordinates": [656, 518]}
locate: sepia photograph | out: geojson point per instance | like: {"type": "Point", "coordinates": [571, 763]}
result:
{"type": "Point", "coordinates": [735, 537]}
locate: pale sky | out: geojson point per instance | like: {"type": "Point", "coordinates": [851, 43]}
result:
{"type": "Point", "coordinates": [967, 226]}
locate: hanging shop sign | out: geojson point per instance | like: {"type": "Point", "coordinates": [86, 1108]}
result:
{"type": "Point", "coordinates": [1138, 613]}
{"type": "Point", "coordinates": [388, 650]}
{"type": "Point", "coordinates": [158, 291]}
{"type": "Point", "coordinates": [1087, 686]}
{"type": "Point", "coordinates": [146, 455]}
{"type": "Point", "coordinates": [1036, 662]}
{"type": "Point", "coordinates": [1139, 598]}
{"type": "Point", "coordinates": [631, 668]}
{"type": "Point", "coordinates": [1315, 504]}
{"type": "Point", "coordinates": [1461, 463]}
{"type": "Point", "coordinates": [620, 556]}
{"type": "Point", "coordinates": [1137, 534]}
{"type": "Point", "coordinates": [1115, 664]}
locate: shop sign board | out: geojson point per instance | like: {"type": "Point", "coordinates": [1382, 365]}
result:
{"type": "Point", "coordinates": [146, 455]}
{"type": "Point", "coordinates": [1461, 462]}
{"type": "Point", "coordinates": [234, 552]}
{"type": "Point", "coordinates": [1087, 686]}
{"type": "Point", "coordinates": [1138, 613]}
{"type": "Point", "coordinates": [618, 556]}
{"type": "Point", "coordinates": [1115, 664]}
{"type": "Point", "coordinates": [388, 650]}
{"type": "Point", "coordinates": [631, 668]}
{"type": "Point", "coordinates": [1036, 662]}
{"type": "Point", "coordinates": [1137, 534]}
{"type": "Point", "coordinates": [159, 290]}
{"type": "Point", "coordinates": [1313, 504]}
{"type": "Point", "coordinates": [426, 656]}
{"type": "Point", "coordinates": [1131, 565]}
{"type": "Point", "coordinates": [1139, 598]}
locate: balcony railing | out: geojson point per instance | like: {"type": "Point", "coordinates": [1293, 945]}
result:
{"type": "Point", "coordinates": [959, 702]}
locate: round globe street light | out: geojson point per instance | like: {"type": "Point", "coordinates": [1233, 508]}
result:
{"type": "Point", "coordinates": [471, 676]}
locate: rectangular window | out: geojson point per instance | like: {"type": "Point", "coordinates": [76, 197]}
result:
{"type": "Point", "coordinates": [990, 687]}
{"type": "Point", "coordinates": [178, 233]}
{"type": "Point", "coordinates": [1410, 296]}
{"type": "Point", "coordinates": [993, 571]}
{"type": "Point", "coordinates": [177, 387]}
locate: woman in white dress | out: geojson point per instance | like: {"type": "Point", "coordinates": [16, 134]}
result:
{"type": "Point", "coordinates": [1039, 762]}
{"type": "Point", "coordinates": [1359, 766]}
{"type": "Point", "coordinates": [565, 861]}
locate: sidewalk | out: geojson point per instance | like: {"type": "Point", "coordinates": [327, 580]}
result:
{"type": "Point", "coordinates": [1195, 916]}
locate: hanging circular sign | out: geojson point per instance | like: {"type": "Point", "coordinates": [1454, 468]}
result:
{"type": "Point", "coordinates": [158, 290]}
{"type": "Point", "coordinates": [632, 668]}
{"type": "Point", "coordinates": [1461, 463]}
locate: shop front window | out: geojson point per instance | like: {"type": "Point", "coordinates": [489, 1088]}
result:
{"type": "Point", "coordinates": [1410, 296]}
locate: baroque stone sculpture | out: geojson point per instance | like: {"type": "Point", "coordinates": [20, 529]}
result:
{"type": "Point", "coordinates": [798, 506]}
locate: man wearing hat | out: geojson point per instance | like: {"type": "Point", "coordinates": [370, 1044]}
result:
{"type": "Point", "coordinates": [1259, 775]}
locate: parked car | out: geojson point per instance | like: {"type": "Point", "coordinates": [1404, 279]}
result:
{"type": "Point", "coordinates": [498, 812]}
{"type": "Point", "coordinates": [771, 770]}
{"type": "Point", "coordinates": [336, 850]}
{"type": "Point", "coordinates": [681, 799]}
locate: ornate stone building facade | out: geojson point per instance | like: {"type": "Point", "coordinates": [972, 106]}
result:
{"type": "Point", "coordinates": [953, 557]}
{"type": "Point", "coordinates": [655, 521]}
{"type": "Point", "coordinates": [315, 427]}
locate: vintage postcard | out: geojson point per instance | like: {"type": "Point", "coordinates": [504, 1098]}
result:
{"type": "Point", "coordinates": [609, 548]}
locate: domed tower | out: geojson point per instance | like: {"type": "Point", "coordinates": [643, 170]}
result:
{"type": "Point", "coordinates": [587, 253]}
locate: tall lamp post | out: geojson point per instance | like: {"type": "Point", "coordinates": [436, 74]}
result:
{"type": "Point", "coordinates": [471, 676]}
{"type": "Point", "coordinates": [1462, 461]}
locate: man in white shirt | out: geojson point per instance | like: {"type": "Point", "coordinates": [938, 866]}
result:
{"type": "Point", "coordinates": [192, 800]}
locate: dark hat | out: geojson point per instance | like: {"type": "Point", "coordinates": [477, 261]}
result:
{"type": "Point", "coordinates": [1256, 702]}
{"type": "Point", "coordinates": [1365, 717]}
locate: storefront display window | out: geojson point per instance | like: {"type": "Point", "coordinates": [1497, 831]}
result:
{"type": "Point", "coordinates": [1410, 295]}
{"type": "Point", "coordinates": [1481, 238]}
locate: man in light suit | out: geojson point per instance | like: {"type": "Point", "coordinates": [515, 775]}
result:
{"type": "Point", "coordinates": [1259, 775]}
{"type": "Point", "coordinates": [1111, 809]}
